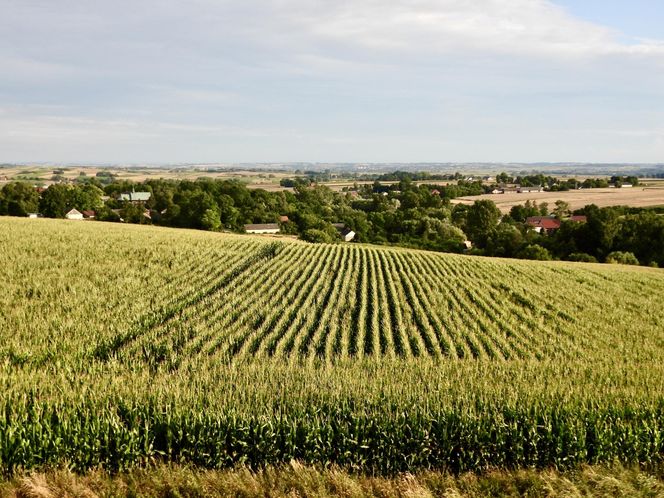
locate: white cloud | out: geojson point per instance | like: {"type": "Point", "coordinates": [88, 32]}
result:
{"type": "Point", "coordinates": [319, 79]}
{"type": "Point", "coordinates": [519, 27]}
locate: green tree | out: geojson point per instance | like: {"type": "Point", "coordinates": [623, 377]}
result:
{"type": "Point", "coordinates": [505, 241]}
{"type": "Point", "coordinates": [56, 201]}
{"type": "Point", "coordinates": [562, 209]}
{"type": "Point", "coordinates": [315, 235]}
{"type": "Point", "coordinates": [211, 219]}
{"type": "Point", "coordinates": [18, 199]}
{"type": "Point", "coordinates": [534, 251]}
{"type": "Point", "coordinates": [481, 220]}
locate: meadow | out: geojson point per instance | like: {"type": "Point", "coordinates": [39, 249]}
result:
{"type": "Point", "coordinates": [122, 346]}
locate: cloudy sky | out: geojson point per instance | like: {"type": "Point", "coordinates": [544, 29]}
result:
{"type": "Point", "coordinates": [165, 81]}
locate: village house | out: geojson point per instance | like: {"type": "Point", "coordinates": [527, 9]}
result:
{"type": "Point", "coordinates": [262, 228]}
{"type": "Point", "coordinates": [545, 224]}
{"type": "Point", "coordinates": [88, 214]}
{"type": "Point", "coordinates": [74, 214]}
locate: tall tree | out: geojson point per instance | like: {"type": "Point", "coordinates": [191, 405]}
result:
{"type": "Point", "coordinates": [481, 221]}
{"type": "Point", "coordinates": [18, 199]}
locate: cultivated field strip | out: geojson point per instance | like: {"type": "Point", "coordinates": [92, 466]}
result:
{"type": "Point", "coordinates": [255, 297]}
{"type": "Point", "coordinates": [122, 345]}
{"type": "Point", "coordinates": [228, 298]}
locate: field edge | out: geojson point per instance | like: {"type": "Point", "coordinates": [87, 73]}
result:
{"type": "Point", "coordinates": [295, 479]}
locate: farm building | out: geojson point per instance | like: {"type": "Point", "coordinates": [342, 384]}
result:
{"type": "Point", "coordinates": [346, 233]}
{"type": "Point", "coordinates": [135, 196]}
{"type": "Point", "coordinates": [35, 215]}
{"type": "Point", "coordinates": [262, 228]}
{"type": "Point", "coordinates": [74, 214]}
{"type": "Point", "coordinates": [524, 190]}
{"type": "Point", "coordinates": [543, 223]}
{"type": "Point", "coordinates": [88, 214]}
{"type": "Point", "coordinates": [517, 190]}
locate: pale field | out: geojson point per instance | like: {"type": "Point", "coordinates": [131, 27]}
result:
{"type": "Point", "coordinates": [42, 174]}
{"type": "Point", "coordinates": [602, 197]}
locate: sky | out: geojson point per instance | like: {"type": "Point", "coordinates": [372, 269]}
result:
{"type": "Point", "coordinates": [221, 81]}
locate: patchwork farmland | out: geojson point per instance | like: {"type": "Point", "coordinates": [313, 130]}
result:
{"type": "Point", "coordinates": [125, 344]}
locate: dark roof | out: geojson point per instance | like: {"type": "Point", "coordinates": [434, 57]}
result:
{"type": "Point", "coordinates": [545, 222]}
{"type": "Point", "coordinates": [342, 229]}
{"type": "Point", "coordinates": [88, 213]}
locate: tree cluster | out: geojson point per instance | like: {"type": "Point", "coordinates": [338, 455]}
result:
{"type": "Point", "coordinates": [405, 214]}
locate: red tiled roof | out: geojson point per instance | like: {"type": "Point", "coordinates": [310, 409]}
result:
{"type": "Point", "coordinates": [544, 222]}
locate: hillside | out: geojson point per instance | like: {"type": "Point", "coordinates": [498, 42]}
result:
{"type": "Point", "coordinates": [123, 343]}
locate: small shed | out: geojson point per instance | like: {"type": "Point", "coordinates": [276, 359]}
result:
{"type": "Point", "coordinates": [74, 214]}
{"type": "Point", "coordinates": [346, 233]}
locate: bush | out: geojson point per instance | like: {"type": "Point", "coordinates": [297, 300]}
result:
{"type": "Point", "coordinates": [582, 257]}
{"type": "Point", "coordinates": [534, 251]}
{"type": "Point", "coordinates": [315, 235]}
{"type": "Point", "coordinates": [622, 258]}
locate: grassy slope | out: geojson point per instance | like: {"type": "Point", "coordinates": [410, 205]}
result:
{"type": "Point", "coordinates": [590, 374]}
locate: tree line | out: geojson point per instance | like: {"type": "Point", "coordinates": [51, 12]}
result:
{"type": "Point", "coordinates": [403, 214]}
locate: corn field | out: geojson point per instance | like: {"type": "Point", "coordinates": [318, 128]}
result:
{"type": "Point", "coordinates": [123, 345]}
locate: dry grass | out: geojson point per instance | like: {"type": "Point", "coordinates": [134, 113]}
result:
{"type": "Point", "coordinates": [297, 480]}
{"type": "Point", "coordinates": [602, 197]}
